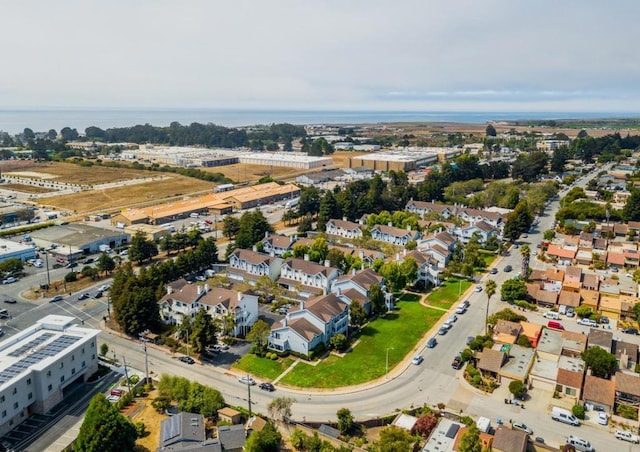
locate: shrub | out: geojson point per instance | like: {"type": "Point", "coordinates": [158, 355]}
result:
{"type": "Point", "coordinates": [627, 412]}
{"type": "Point", "coordinates": [70, 277]}
{"type": "Point", "coordinates": [141, 429]}
{"type": "Point", "coordinates": [517, 388]}
{"type": "Point", "coordinates": [578, 411]}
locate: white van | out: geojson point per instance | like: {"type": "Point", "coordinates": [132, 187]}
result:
{"type": "Point", "coordinates": [552, 315]}
{"type": "Point", "coordinates": [562, 415]}
{"type": "Point", "coordinates": [580, 444]}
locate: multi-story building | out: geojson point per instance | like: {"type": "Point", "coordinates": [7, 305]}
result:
{"type": "Point", "coordinates": [37, 364]}
{"type": "Point", "coordinates": [307, 277]}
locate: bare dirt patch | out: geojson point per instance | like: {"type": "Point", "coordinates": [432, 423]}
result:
{"type": "Point", "coordinates": [129, 195]}
{"type": "Point", "coordinates": [72, 173]}
{"type": "Point", "coordinates": [25, 188]}
{"type": "Point", "coordinates": [151, 419]}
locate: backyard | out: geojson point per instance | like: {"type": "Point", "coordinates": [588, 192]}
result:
{"type": "Point", "coordinates": [398, 333]}
{"type": "Point", "coordinates": [448, 293]}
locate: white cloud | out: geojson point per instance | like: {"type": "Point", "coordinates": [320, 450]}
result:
{"type": "Point", "coordinates": [410, 54]}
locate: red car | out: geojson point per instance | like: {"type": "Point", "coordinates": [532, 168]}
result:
{"type": "Point", "coordinates": [208, 221]}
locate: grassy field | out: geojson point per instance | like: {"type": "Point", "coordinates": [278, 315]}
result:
{"type": "Point", "coordinates": [399, 332]}
{"type": "Point", "coordinates": [76, 174]}
{"type": "Point", "coordinates": [26, 188]}
{"type": "Point", "coordinates": [488, 258]}
{"type": "Point", "coordinates": [263, 367]}
{"type": "Point", "coordinates": [447, 294]}
{"type": "Point", "coordinates": [116, 198]}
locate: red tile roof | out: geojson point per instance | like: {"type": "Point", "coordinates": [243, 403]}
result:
{"type": "Point", "coordinates": [555, 250]}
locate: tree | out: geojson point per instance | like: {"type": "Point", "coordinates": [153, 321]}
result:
{"type": "Point", "coordinates": [518, 389]}
{"type": "Point", "coordinates": [141, 248]}
{"type": "Point", "coordinates": [105, 429]}
{"type": "Point", "coordinates": [357, 315]}
{"type": "Point", "coordinates": [513, 289]}
{"type": "Point", "coordinates": [584, 311]}
{"type": "Point", "coordinates": [549, 234]}
{"type": "Point", "coordinates": [525, 252]}
{"type": "Point", "coordinates": [376, 298]}
{"type": "Point", "coordinates": [104, 349]}
{"type": "Point", "coordinates": [523, 341]}
{"type": "Point", "coordinates": [425, 425]}
{"type": "Point", "coordinates": [490, 130]}
{"type": "Point", "coordinates": [280, 408]}
{"type": "Point", "coordinates": [631, 210]}
{"type": "Point", "coordinates": [602, 363]}
{"type": "Point", "coordinates": [266, 440]}
{"type": "Point", "coordinates": [106, 263]}
{"type": "Point", "coordinates": [346, 422]}
{"type": "Point", "coordinates": [328, 210]}
{"type": "Point", "coordinates": [230, 226]}
{"type": "Point", "coordinates": [203, 331]}
{"type": "Point", "coordinates": [470, 441]}
{"type": "Point", "coordinates": [259, 335]}
{"type": "Point", "coordinates": [490, 290]}
{"type": "Point", "coordinates": [506, 314]}
{"type": "Point", "coordinates": [394, 439]}
{"type": "Point", "coordinates": [518, 221]}
{"type": "Point", "coordinates": [338, 341]}
{"type": "Point", "coordinates": [306, 224]}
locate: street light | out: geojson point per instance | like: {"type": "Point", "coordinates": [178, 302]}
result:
{"type": "Point", "coordinates": [386, 372]}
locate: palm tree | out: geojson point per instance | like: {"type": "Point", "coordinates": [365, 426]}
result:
{"type": "Point", "coordinates": [525, 252]}
{"type": "Point", "coordinates": [490, 288]}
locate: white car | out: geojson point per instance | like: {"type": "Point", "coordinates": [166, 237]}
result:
{"type": "Point", "coordinates": [103, 288]}
{"type": "Point", "coordinates": [623, 435]}
{"type": "Point", "coordinates": [522, 427]}
{"type": "Point", "coordinates": [587, 322]}
{"type": "Point", "coordinates": [247, 380]}
{"type": "Point", "coordinates": [603, 418]}
{"type": "Point", "coordinates": [417, 360]}
{"type": "Point", "coordinates": [10, 280]}
{"type": "Point", "coordinates": [478, 288]}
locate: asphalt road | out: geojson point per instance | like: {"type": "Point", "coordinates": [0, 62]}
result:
{"type": "Point", "coordinates": [432, 382]}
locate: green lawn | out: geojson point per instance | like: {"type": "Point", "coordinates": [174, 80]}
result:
{"type": "Point", "coordinates": [488, 258]}
{"type": "Point", "coordinates": [399, 331]}
{"type": "Point", "coordinates": [446, 295]}
{"type": "Point", "coordinates": [262, 367]}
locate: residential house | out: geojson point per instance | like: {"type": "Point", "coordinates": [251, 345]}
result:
{"type": "Point", "coordinates": [344, 228]}
{"type": "Point", "coordinates": [600, 245]}
{"type": "Point", "coordinates": [627, 389]}
{"type": "Point", "coordinates": [550, 345]}
{"type": "Point", "coordinates": [554, 274]}
{"type": "Point", "coordinates": [569, 378]}
{"type": "Point", "coordinates": [181, 430]}
{"type": "Point", "coordinates": [532, 331]}
{"type": "Point", "coordinates": [314, 322]}
{"type": "Point", "coordinates": [573, 344]}
{"type": "Point", "coordinates": [572, 279]}
{"type": "Point", "coordinates": [509, 440]}
{"type": "Point", "coordinates": [393, 235]}
{"type": "Point", "coordinates": [517, 365]}
{"type": "Point", "coordinates": [564, 255]}
{"type": "Point", "coordinates": [356, 287]}
{"type": "Point", "coordinates": [599, 392]}
{"type": "Point", "coordinates": [277, 244]}
{"type": "Point", "coordinates": [232, 437]}
{"type": "Point", "coordinates": [179, 302]}
{"type": "Point", "coordinates": [586, 240]}
{"type": "Point", "coordinates": [591, 281]}
{"type": "Point", "coordinates": [631, 258]}
{"type": "Point", "coordinates": [249, 265]}
{"type": "Point", "coordinates": [584, 256]}
{"type": "Point", "coordinates": [440, 246]}
{"type": "Point", "coordinates": [307, 277]}
{"type": "Point", "coordinates": [490, 363]}
{"type": "Point", "coordinates": [626, 355]}
{"type": "Point", "coordinates": [421, 207]}
{"type": "Point", "coordinates": [569, 299]}
{"type": "Point", "coordinates": [506, 332]}
{"type": "Point", "coordinates": [620, 230]}
{"type": "Point", "coordinates": [481, 229]}
{"type": "Point", "coordinates": [545, 298]}
{"type": "Point", "coordinates": [476, 215]}
{"type": "Point", "coordinates": [228, 414]}
{"type": "Point", "coordinates": [590, 298]}
{"type": "Point", "coordinates": [615, 259]}
{"type": "Point", "coordinates": [600, 338]}
{"type": "Point", "coordinates": [240, 309]}
{"type": "Point", "coordinates": [428, 267]}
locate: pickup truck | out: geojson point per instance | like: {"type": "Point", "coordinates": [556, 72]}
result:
{"type": "Point", "coordinates": [457, 362]}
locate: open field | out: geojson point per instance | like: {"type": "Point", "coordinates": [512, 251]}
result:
{"type": "Point", "coordinates": [25, 188]}
{"type": "Point", "coordinates": [448, 293]}
{"type": "Point", "coordinates": [264, 367]}
{"type": "Point", "coordinates": [151, 419]}
{"type": "Point", "coordinates": [400, 330]}
{"type": "Point", "coordinates": [119, 197]}
{"type": "Point", "coordinates": [72, 173]}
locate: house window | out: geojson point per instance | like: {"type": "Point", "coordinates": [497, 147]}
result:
{"type": "Point", "coordinates": [73, 371]}
{"type": "Point", "coordinates": [61, 378]}
{"type": "Point", "coordinates": [83, 350]}
{"type": "Point", "coordinates": [15, 405]}
{"type": "Point", "coordinates": [83, 364]}
{"type": "Point", "coordinates": [4, 413]}
{"type": "Point", "coordinates": [15, 391]}
{"type": "Point", "coordinates": [2, 399]}
{"type": "Point", "coordinates": [570, 391]}
{"type": "Point", "coordinates": [48, 373]}
{"type": "Point", "coordinates": [61, 365]}
{"type": "Point", "coordinates": [73, 357]}
{"type": "Point", "coordinates": [28, 381]}
{"type": "Point", "coordinates": [49, 387]}
{"type": "Point", "coordinates": [30, 396]}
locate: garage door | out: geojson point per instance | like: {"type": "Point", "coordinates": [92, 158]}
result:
{"type": "Point", "coordinates": [544, 385]}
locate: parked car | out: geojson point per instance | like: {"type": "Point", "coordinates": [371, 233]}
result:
{"type": "Point", "coordinates": [98, 295]}
{"type": "Point", "coordinates": [493, 271]}
{"type": "Point", "coordinates": [630, 331]}
{"type": "Point", "coordinates": [604, 320]}
{"type": "Point", "coordinates": [9, 300]}
{"type": "Point", "coordinates": [83, 296]}
{"type": "Point", "coordinates": [247, 380]}
{"type": "Point", "coordinates": [470, 339]}
{"type": "Point", "coordinates": [10, 280]}
{"type": "Point", "coordinates": [71, 265]}
{"type": "Point", "coordinates": [103, 288]}
{"type": "Point", "coordinates": [267, 387]}
{"type": "Point", "coordinates": [88, 260]}
{"type": "Point", "coordinates": [522, 427]}
{"type": "Point", "coordinates": [57, 265]}
{"type": "Point", "coordinates": [457, 362]}
{"type": "Point", "coordinates": [624, 435]}
{"type": "Point", "coordinates": [603, 418]}
{"type": "Point", "coordinates": [587, 322]}
{"type": "Point", "coordinates": [417, 360]}
{"type": "Point", "coordinates": [56, 298]}
{"type": "Point", "coordinates": [478, 288]}
{"type": "Point", "coordinates": [187, 359]}
{"type": "Point", "coordinates": [570, 312]}
{"type": "Point", "coordinates": [508, 268]}
{"type": "Point", "coordinates": [432, 342]}
{"type": "Point", "coordinates": [443, 330]}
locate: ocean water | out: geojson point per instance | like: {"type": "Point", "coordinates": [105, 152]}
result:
{"type": "Point", "coordinates": [15, 121]}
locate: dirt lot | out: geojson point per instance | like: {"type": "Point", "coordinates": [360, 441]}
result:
{"type": "Point", "coordinates": [75, 174]}
{"type": "Point", "coordinates": [25, 188]}
{"type": "Point", "coordinates": [151, 419]}
{"type": "Point", "coordinates": [120, 197]}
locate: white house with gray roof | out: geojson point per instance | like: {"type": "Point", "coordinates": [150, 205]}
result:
{"type": "Point", "coordinates": [249, 265]}
{"type": "Point", "coordinates": [307, 277]}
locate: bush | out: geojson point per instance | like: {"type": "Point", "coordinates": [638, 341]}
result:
{"type": "Point", "coordinates": [627, 412]}
{"type": "Point", "coordinates": [70, 277]}
{"type": "Point", "coordinates": [141, 429]}
{"type": "Point", "coordinates": [578, 411]}
{"type": "Point", "coordinates": [517, 388]}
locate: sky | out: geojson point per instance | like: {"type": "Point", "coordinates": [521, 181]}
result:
{"type": "Point", "coordinates": [358, 55]}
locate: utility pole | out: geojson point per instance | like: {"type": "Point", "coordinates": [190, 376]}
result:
{"type": "Point", "coordinates": [126, 374]}
{"type": "Point", "coordinates": [249, 393]}
{"type": "Point", "coordinates": [46, 258]}
{"type": "Point", "coordinates": [146, 362]}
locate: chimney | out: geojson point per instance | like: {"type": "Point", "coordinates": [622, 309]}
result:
{"type": "Point", "coordinates": [169, 290]}
{"type": "Point", "coordinates": [199, 290]}
{"type": "Point", "coordinates": [390, 224]}
{"type": "Point", "coordinates": [255, 248]}
{"type": "Point", "coordinates": [353, 271]}
{"type": "Point", "coordinates": [301, 305]}
{"type": "Point", "coordinates": [306, 257]}
{"type": "Point", "coordinates": [338, 291]}
{"type": "Point", "coordinates": [408, 227]}
{"type": "Point", "coordinates": [361, 254]}
{"type": "Point", "coordinates": [284, 320]}
{"type": "Point", "coordinates": [272, 253]}
{"type": "Point", "coordinates": [404, 252]}
{"type": "Point", "coordinates": [206, 287]}
{"type": "Point", "coordinates": [239, 295]}
{"type": "Point", "coordinates": [327, 263]}
{"type": "Point", "coordinates": [344, 218]}
{"type": "Point", "coordinates": [266, 234]}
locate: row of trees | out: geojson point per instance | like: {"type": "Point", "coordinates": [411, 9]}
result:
{"type": "Point", "coordinates": [191, 396]}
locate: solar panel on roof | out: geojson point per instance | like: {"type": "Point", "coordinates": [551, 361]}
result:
{"type": "Point", "coordinates": [31, 344]}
